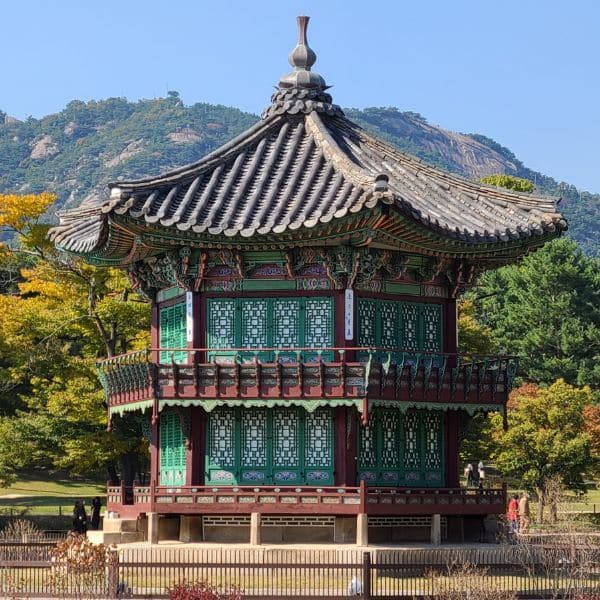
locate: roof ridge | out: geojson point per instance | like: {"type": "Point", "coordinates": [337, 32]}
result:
{"type": "Point", "coordinates": [334, 153]}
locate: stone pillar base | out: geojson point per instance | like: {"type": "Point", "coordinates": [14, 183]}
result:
{"type": "Point", "coordinates": [190, 528]}
{"type": "Point", "coordinates": [153, 519]}
{"type": "Point", "coordinates": [255, 529]}
{"type": "Point", "coordinates": [436, 530]}
{"type": "Point", "coordinates": [362, 529]}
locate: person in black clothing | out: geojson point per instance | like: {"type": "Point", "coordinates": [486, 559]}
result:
{"type": "Point", "coordinates": [96, 504]}
{"type": "Point", "coordinates": [79, 518]}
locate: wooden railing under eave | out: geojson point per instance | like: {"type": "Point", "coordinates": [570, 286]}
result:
{"type": "Point", "coordinates": [378, 374]}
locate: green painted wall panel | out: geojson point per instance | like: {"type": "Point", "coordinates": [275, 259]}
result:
{"type": "Point", "coordinates": [402, 288]}
{"type": "Point", "coordinates": [250, 285]}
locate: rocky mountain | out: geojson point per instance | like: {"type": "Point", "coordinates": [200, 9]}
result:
{"type": "Point", "coordinates": [76, 152]}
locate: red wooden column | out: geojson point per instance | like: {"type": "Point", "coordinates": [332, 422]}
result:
{"type": "Point", "coordinates": [194, 459]}
{"type": "Point", "coordinates": [154, 331]}
{"type": "Point", "coordinates": [155, 415]}
{"type": "Point", "coordinates": [154, 451]}
{"type": "Point", "coordinates": [339, 444]}
{"type": "Point", "coordinates": [450, 327]}
{"type": "Point", "coordinates": [452, 416]}
{"type": "Point", "coordinates": [345, 421]}
{"type": "Point", "coordinates": [195, 451]}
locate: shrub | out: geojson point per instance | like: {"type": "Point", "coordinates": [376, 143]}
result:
{"type": "Point", "coordinates": [201, 590]}
{"type": "Point", "coordinates": [21, 530]}
{"type": "Point", "coordinates": [83, 569]}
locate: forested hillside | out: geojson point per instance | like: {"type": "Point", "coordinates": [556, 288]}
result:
{"type": "Point", "coordinates": [76, 152]}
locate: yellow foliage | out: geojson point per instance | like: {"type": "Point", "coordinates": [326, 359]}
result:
{"type": "Point", "coordinates": [17, 211]}
{"type": "Point", "coordinates": [473, 338]}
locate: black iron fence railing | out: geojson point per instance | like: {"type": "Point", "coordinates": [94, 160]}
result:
{"type": "Point", "coordinates": [146, 572]}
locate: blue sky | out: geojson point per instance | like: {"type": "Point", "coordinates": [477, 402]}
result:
{"type": "Point", "coordinates": [524, 72]}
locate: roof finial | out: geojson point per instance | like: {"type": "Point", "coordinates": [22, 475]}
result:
{"type": "Point", "coordinates": [302, 58]}
{"type": "Point", "coordinates": [302, 90]}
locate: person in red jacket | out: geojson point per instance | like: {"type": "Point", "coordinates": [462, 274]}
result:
{"type": "Point", "coordinates": [512, 514]}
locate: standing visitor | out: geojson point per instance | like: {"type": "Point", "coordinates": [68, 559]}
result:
{"type": "Point", "coordinates": [524, 519]}
{"type": "Point", "coordinates": [79, 518]}
{"type": "Point", "coordinates": [469, 475]}
{"type": "Point", "coordinates": [96, 504]}
{"type": "Point", "coordinates": [481, 470]}
{"type": "Point", "coordinates": [512, 514]}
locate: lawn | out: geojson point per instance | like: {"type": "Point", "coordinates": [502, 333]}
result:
{"type": "Point", "coordinates": [41, 494]}
{"type": "Point", "coordinates": [588, 503]}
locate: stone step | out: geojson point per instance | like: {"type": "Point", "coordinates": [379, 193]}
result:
{"type": "Point", "coordinates": [96, 537]}
{"type": "Point", "coordinates": [119, 525]}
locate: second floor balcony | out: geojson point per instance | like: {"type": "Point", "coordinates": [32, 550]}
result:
{"type": "Point", "coordinates": [345, 375]}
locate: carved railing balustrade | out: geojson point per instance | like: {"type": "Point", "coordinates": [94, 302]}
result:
{"type": "Point", "coordinates": [344, 500]}
{"type": "Point", "coordinates": [330, 373]}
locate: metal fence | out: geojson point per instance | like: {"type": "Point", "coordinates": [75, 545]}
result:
{"type": "Point", "coordinates": [29, 571]}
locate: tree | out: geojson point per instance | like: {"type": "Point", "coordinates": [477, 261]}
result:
{"type": "Point", "coordinates": [546, 310]}
{"type": "Point", "coordinates": [473, 336]}
{"type": "Point", "coordinates": [591, 415]}
{"type": "Point", "coordinates": [546, 440]}
{"type": "Point", "coordinates": [517, 184]}
{"type": "Point", "coordinates": [58, 316]}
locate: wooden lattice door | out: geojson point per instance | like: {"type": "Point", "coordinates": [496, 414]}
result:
{"type": "Point", "coordinates": [402, 449]}
{"type": "Point", "coordinates": [172, 332]}
{"type": "Point", "coordinates": [172, 450]}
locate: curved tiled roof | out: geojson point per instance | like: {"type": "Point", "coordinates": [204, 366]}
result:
{"type": "Point", "coordinates": [305, 164]}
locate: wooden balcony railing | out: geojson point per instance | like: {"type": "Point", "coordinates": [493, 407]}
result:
{"type": "Point", "coordinates": [375, 373]}
{"type": "Point", "coordinates": [305, 500]}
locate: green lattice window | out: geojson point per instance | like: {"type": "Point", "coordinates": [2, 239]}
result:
{"type": "Point", "coordinates": [172, 326]}
{"type": "Point", "coordinates": [402, 449]}
{"type": "Point", "coordinates": [282, 446]}
{"type": "Point", "coordinates": [394, 324]}
{"type": "Point", "coordinates": [172, 450]}
{"type": "Point", "coordinates": [270, 323]}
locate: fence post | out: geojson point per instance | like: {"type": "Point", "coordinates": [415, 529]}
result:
{"type": "Point", "coordinates": [366, 575]}
{"type": "Point", "coordinates": [113, 575]}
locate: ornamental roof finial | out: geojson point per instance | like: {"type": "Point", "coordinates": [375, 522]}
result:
{"type": "Point", "coordinates": [302, 58]}
{"type": "Point", "coordinates": [301, 91]}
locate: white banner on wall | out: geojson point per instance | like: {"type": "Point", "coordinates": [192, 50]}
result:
{"type": "Point", "coordinates": [349, 315]}
{"type": "Point", "coordinates": [189, 317]}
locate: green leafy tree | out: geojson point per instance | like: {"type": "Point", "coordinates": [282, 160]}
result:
{"type": "Point", "coordinates": [517, 184]}
{"type": "Point", "coordinates": [546, 310]}
{"type": "Point", "coordinates": [546, 440]}
{"type": "Point", "coordinates": [474, 338]}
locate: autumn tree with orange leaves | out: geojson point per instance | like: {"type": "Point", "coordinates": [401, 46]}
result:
{"type": "Point", "coordinates": [547, 439]}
